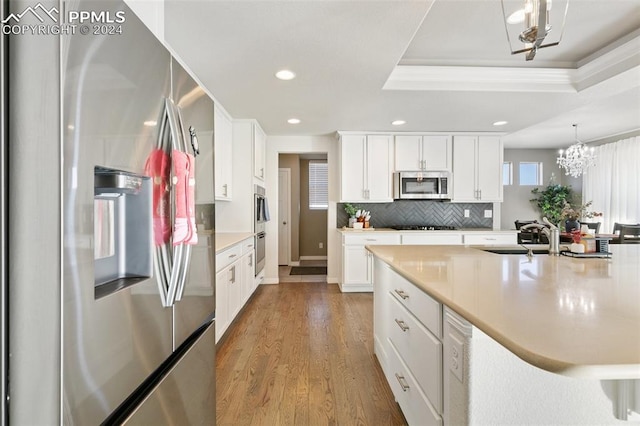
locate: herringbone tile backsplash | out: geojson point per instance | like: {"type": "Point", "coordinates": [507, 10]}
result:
{"type": "Point", "coordinates": [421, 212]}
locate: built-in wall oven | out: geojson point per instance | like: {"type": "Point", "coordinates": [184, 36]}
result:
{"type": "Point", "coordinates": [261, 217]}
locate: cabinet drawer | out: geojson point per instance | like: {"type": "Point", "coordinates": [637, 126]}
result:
{"type": "Point", "coordinates": [228, 256]}
{"type": "Point", "coordinates": [414, 404]}
{"type": "Point", "coordinates": [248, 245]}
{"type": "Point", "coordinates": [432, 239]}
{"type": "Point", "coordinates": [420, 350]}
{"type": "Point", "coordinates": [490, 239]}
{"type": "Point", "coordinates": [371, 238]}
{"type": "Point", "coordinates": [425, 308]}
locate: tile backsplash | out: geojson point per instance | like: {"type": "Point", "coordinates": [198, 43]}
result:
{"type": "Point", "coordinates": [421, 212]}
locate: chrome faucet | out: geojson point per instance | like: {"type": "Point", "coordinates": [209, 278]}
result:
{"type": "Point", "coordinates": [552, 233]}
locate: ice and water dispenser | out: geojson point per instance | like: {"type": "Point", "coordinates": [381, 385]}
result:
{"type": "Point", "coordinates": [122, 225]}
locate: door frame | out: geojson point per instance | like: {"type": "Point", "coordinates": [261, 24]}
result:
{"type": "Point", "coordinates": [287, 173]}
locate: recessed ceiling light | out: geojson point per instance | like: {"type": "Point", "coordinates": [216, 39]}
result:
{"type": "Point", "coordinates": [150, 123]}
{"type": "Point", "coordinates": [285, 75]}
{"type": "Point", "coordinates": [398, 122]}
{"type": "Point", "coordinates": [500, 123]}
{"type": "Point", "coordinates": [293, 121]}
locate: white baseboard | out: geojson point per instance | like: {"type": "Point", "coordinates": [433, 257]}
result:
{"type": "Point", "coordinates": [271, 281]}
{"type": "Point", "coordinates": [332, 280]}
{"type": "Point", "coordinates": [313, 257]}
{"type": "Point", "coordinates": [296, 263]}
{"type": "Point", "coordinates": [356, 288]}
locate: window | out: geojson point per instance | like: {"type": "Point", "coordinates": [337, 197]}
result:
{"type": "Point", "coordinates": [530, 173]}
{"type": "Point", "coordinates": [318, 185]}
{"type": "Point", "coordinates": [507, 173]}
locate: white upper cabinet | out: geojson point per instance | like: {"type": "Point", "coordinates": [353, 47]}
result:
{"type": "Point", "coordinates": [223, 139]}
{"type": "Point", "coordinates": [259, 148]}
{"type": "Point", "coordinates": [365, 164]}
{"type": "Point", "coordinates": [423, 152]}
{"type": "Point", "coordinates": [477, 169]}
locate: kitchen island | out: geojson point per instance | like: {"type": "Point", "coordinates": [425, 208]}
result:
{"type": "Point", "coordinates": [562, 316]}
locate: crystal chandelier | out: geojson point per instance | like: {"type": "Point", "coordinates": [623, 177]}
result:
{"type": "Point", "coordinates": [538, 22]}
{"type": "Point", "coordinates": [577, 158]}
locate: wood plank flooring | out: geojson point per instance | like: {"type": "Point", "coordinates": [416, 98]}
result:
{"type": "Point", "coordinates": [302, 354]}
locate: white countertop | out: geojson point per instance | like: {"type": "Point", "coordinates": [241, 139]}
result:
{"type": "Point", "coordinates": [227, 239]}
{"type": "Point", "coordinates": [577, 317]}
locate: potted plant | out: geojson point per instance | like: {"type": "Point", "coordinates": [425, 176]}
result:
{"type": "Point", "coordinates": [351, 211]}
{"type": "Point", "coordinates": [573, 214]}
{"type": "Point", "coordinates": [552, 200]}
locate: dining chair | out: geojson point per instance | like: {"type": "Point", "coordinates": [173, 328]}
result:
{"type": "Point", "coordinates": [629, 234]}
{"type": "Point", "coordinates": [592, 225]}
{"type": "Point", "coordinates": [617, 226]}
{"type": "Point", "coordinates": [530, 236]}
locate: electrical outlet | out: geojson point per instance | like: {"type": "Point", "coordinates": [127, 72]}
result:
{"type": "Point", "coordinates": [320, 245]}
{"type": "Point", "coordinates": [488, 213]}
{"type": "Point", "coordinates": [467, 213]}
{"type": "Point", "coordinates": [457, 358]}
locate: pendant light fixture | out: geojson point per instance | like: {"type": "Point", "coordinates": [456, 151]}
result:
{"type": "Point", "coordinates": [539, 21]}
{"type": "Point", "coordinates": [577, 158]}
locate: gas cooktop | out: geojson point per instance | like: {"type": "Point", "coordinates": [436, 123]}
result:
{"type": "Point", "coordinates": [423, 228]}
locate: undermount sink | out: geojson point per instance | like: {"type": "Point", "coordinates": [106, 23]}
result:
{"type": "Point", "coordinates": [516, 251]}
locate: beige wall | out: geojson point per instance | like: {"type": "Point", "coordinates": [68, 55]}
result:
{"type": "Point", "coordinates": [313, 223]}
{"type": "Point", "coordinates": [292, 162]}
{"type": "Point", "coordinates": [516, 204]}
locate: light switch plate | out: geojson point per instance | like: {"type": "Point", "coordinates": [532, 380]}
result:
{"type": "Point", "coordinates": [467, 212]}
{"type": "Point", "coordinates": [488, 213]}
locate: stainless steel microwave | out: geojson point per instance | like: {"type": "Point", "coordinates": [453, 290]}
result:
{"type": "Point", "coordinates": [422, 185]}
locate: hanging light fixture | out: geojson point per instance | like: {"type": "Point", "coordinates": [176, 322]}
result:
{"type": "Point", "coordinates": [577, 158]}
{"type": "Point", "coordinates": [538, 21]}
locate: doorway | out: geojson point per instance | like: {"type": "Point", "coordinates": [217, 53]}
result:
{"type": "Point", "coordinates": [302, 217]}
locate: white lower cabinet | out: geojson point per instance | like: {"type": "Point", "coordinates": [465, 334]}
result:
{"type": "Point", "coordinates": [414, 404]}
{"type": "Point", "coordinates": [491, 238]}
{"type": "Point", "coordinates": [432, 238]}
{"type": "Point", "coordinates": [357, 262]}
{"type": "Point", "coordinates": [234, 283]}
{"type": "Point", "coordinates": [408, 343]}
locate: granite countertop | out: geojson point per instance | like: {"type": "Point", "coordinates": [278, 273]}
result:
{"type": "Point", "coordinates": [227, 239]}
{"type": "Point", "coordinates": [576, 317]}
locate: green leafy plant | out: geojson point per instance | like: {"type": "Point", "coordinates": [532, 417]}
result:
{"type": "Point", "coordinates": [350, 209]}
{"type": "Point", "coordinates": [552, 200]}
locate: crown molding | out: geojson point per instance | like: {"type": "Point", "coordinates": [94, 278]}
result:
{"type": "Point", "coordinates": [599, 67]}
{"type": "Point", "coordinates": [495, 79]}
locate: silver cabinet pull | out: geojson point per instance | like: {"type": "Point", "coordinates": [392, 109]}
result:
{"type": "Point", "coordinates": [403, 382]}
{"type": "Point", "coordinates": [233, 275]}
{"type": "Point", "coordinates": [232, 256]}
{"type": "Point", "coordinates": [402, 294]}
{"type": "Point", "coordinates": [371, 239]}
{"type": "Point", "coordinates": [403, 326]}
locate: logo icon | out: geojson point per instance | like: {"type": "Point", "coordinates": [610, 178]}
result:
{"type": "Point", "coordinates": [39, 11]}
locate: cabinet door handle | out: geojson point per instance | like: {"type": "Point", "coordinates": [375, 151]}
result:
{"type": "Point", "coordinates": [225, 189]}
{"type": "Point", "coordinates": [403, 382]}
{"type": "Point", "coordinates": [232, 256]}
{"type": "Point", "coordinates": [371, 239]}
{"type": "Point", "coordinates": [403, 326]}
{"type": "Point", "coordinates": [402, 294]}
{"type": "Point", "coordinates": [490, 239]}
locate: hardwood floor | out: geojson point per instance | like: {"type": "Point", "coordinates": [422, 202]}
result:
{"type": "Point", "coordinates": [302, 354]}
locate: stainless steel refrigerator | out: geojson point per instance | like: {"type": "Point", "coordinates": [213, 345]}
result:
{"type": "Point", "coordinates": [111, 276]}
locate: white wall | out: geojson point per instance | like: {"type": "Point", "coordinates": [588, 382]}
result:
{"type": "Point", "coordinates": [295, 145]}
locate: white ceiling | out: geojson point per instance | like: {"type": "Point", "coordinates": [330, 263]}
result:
{"type": "Point", "coordinates": [441, 65]}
